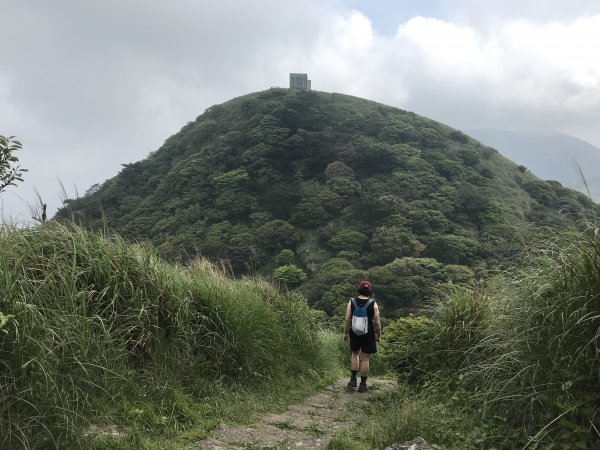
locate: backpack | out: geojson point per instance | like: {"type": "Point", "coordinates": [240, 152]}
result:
{"type": "Point", "coordinates": [360, 318]}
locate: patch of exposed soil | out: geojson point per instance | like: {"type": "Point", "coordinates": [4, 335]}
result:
{"type": "Point", "coordinates": [309, 425]}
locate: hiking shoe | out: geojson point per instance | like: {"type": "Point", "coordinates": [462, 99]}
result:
{"type": "Point", "coordinates": [352, 383]}
{"type": "Point", "coordinates": [363, 388]}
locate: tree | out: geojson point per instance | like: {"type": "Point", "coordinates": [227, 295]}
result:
{"type": "Point", "coordinates": [452, 249]}
{"type": "Point", "coordinates": [406, 283]}
{"type": "Point", "coordinates": [335, 271]}
{"type": "Point", "coordinates": [10, 171]}
{"type": "Point", "coordinates": [334, 301]}
{"type": "Point", "coordinates": [332, 202]}
{"type": "Point", "coordinates": [346, 187]}
{"type": "Point", "coordinates": [348, 239]}
{"type": "Point", "coordinates": [285, 257]}
{"type": "Point", "coordinates": [338, 169]}
{"type": "Point", "coordinates": [290, 275]}
{"type": "Point", "coordinates": [425, 221]}
{"type": "Point", "coordinates": [309, 213]}
{"type": "Point", "coordinates": [276, 234]}
{"type": "Point", "coordinates": [389, 243]}
{"type": "Point", "coordinates": [232, 192]}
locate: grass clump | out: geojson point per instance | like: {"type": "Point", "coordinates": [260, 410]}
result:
{"type": "Point", "coordinates": [524, 351]}
{"type": "Point", "coordinates": [94, 331]}
{"type": "Point", "coordinates": [405, 413]}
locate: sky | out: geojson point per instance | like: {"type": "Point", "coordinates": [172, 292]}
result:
{"type": "Point", "coordinates": [89, 86]}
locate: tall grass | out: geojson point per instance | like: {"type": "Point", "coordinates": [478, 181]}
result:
{"type": "Point", "coordinates": [403, 414]}
{"type": "Point", "coordinates": [526, 348]}
{"type": "Point", "coordinates": [543, 345]}
{"type": "Point", "coordinates": [87, 321]}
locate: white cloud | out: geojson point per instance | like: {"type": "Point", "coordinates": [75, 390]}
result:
{"type": "Point", "coordinates": [518, 74]}
{"type": "Point", "coordinates": [565, 48]}
{"type": "Point", "coordinates": [446, 48]}
{"type": "Point", "coordinates": [482, 14]}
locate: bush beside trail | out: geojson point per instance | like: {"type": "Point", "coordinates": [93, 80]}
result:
{"type": "Point", "coordinates": [525, 349]}
{"type": "Point", "coordinates": [88, 322]}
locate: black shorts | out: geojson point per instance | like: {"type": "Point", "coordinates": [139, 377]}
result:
{"type": "Point", "coordinates": [365, 343]}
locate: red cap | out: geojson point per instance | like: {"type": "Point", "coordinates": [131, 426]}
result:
{"type": "Point", "coordinates": [365, 287]}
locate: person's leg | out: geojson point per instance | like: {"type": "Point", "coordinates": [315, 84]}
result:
{"type": "Point", "coordinates": [364, 371]}
{"type": "Point", "coordinates": [364, 364]}
{"type": "Point", "coordinates": [354, 362]}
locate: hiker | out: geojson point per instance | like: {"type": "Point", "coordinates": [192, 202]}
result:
{"type": "Point", "coordinates": [363, 342]}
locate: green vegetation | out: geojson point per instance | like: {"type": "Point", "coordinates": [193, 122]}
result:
{"type": "Point", "coordinates": [317, 189]}
{"type": "Point", "coordinates": [10, 171]}
{"type": "Point", "coordinates": [514, 364]}
{"type": "Point", "coordinates": [96, 334]}
{"type": "Point", "coordinates": [314, 191]}
{"type": "Point", "coordinates": [406, 413]}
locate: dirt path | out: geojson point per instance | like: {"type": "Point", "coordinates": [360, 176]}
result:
{"type": "Point", "coordinates": [309, 425]}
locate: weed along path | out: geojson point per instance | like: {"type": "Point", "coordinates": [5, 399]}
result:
{"type": "Point", "coordinates": [308, 425]}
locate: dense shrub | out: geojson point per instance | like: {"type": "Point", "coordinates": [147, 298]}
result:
{"type": "Point", "coordinates": [407, 347]}
{"type": "Point", "coordinates": [527, 351]}
{"type": "Point", "coordinates": [289, 274]}
{"type": "Point", "coordinates": [87, 320]}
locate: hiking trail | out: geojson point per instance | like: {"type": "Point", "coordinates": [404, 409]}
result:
{"type": "Point", "coordinates": [308, 425]}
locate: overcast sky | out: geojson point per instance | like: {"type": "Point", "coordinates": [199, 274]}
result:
{"type": "Point", "coordinates": [90, 85]}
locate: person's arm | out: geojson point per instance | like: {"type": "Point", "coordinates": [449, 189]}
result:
{"type": "Point", "coordinates": [347, 320]}
{"type": "Point", "coordinates": [376, 322]}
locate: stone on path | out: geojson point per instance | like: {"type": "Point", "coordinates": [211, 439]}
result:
{"type": "Point", "coordinates": [309, 425]}
{"type": "Point", "coordinates": [416, 444]}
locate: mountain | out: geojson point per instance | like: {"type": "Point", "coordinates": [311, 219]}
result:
{"type": "Point", "coordinates": [319, 189]}
{"type": "Point", "coordinates": [551, 156]}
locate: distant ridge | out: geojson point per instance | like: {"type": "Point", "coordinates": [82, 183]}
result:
{"type": "Point", "coordinates": [549, 155]}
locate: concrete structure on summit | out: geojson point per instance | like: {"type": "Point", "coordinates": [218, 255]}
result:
{"type": "Point", "coordinates": [299, 81]}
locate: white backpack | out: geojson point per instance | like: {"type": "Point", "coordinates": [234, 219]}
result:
{"type": "Point", "coordinates": [360, 318]}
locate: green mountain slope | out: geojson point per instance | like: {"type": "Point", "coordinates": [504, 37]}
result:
{"type": "Point", "coordinates": [319, 189]}
{"type": "Point", "coordinates": [551, 156]}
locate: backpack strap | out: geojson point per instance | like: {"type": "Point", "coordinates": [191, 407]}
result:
{"type": "Point", "coordinates": [366, 305]}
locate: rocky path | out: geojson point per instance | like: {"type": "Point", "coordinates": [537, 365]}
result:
{"type": "Point", "coordinates": [309, 425]}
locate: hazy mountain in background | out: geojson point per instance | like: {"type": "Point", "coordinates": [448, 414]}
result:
{"type": "Point", "coordinates": [551, 156]}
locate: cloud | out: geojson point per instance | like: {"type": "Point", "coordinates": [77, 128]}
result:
{"type": "Point", "coordinates": [89, 86]}
{"type": "Point", "coordinates": [482, 14]}
{"type": "Point", "coordinates": [519, 74]}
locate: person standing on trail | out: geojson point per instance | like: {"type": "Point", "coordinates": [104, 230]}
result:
{"type": "Point", "coordinates": [363, 341]}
